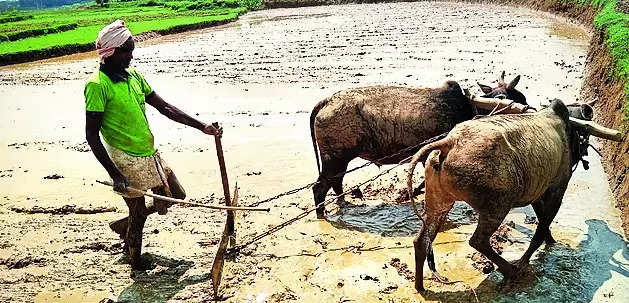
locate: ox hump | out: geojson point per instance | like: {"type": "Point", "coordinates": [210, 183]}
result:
{"type": "Point", "coordinates": [452, 85]}
{"type": "Point", "coordinates": [560, 109]}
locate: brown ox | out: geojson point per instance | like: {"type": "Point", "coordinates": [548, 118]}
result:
{"type": "Point", "coordinates": [496, 164]}
{"type": "Point", "coordinates": [383, 123]}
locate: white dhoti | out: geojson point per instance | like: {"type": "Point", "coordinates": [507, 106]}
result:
{"type": "Point", "coordinates": [144, 173]}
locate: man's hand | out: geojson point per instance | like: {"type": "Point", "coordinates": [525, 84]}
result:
{"type": "Point", "coordinates": [214, 129]}
{"type": "Point", "coordinates": [120, 183]}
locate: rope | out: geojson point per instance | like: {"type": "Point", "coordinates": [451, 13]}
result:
{"type": "Point", "coordinates": [288, 222]}
{"type": "Point", "coordinates": [296, 190]}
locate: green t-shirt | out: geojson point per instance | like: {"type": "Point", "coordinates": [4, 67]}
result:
{"type": "Point", "coordinates": [125, 126]}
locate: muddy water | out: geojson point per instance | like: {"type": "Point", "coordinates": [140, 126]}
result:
{"type": "Point", "coordinates": [260, 78]}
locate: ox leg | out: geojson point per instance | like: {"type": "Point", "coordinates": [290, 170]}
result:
{"type": "Point", "coordinates": [320, 189]}
{"type": "Point", "coordinates": [419, 243]}
{"type": "Point", "coordinates": [436, 210]}
{"type": "Point", "coordinates": [337, 182]}
{"type": "Point", "coordinates": [546, 209]}
{"type": "Point", "coordinates": [487, 225]}
{"type": "Point", "coordinates": [330, 168]}
{"type": "Point", "coordinates": [542, 217]}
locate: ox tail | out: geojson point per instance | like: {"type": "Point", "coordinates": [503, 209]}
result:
{"type": "Point", "coordinates": [431, 260]}
{"type": "Point", "coordinates": [444, 146]}
{"type": "Point", "coordinates": [313, 115]}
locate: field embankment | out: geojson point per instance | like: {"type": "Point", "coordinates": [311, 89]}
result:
{"type": "Point", "coordinates": [34, 35]}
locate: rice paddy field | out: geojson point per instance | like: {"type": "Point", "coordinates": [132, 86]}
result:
{"type": "Point", "coordinates": [39, 30]}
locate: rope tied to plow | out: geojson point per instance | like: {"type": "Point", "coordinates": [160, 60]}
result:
{"type": "Point", "coordinates": [288, 222]}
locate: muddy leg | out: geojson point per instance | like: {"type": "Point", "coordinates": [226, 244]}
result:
{"type": "Point", "coordinates": [436, 208]}
{"type": "Point", "coordinates": [420, 256]}
{"type": "Point", "coordinates": [320, 189]}
{"type": "Point", "coordinates": [541, 233]}
{"type": "Point", "coordinates": [546, 210]}
{"type": "Point", "coordinates": [423, 247]}
{"type": "Point", "coordinates": [133, 239]}
{"type": "Point", "coordinates": [550, 210]}
{"type": "Point", "coordinates": [541, 217]}
{"type": "Point", "coordinates": [487, 225]}
{"type": "Point", "coordinates": [120, 226]}
{"type": "Point", "coordinates": [329, 168]}
{"type": "Point", "coordinates": [337, 183]}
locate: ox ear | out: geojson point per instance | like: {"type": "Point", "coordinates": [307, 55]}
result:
{"type": "Point", "coordinates": [486, 89]}
{"type": "Point", "coordinates": [514, 82]}
{"type": "Point", "coordinates": [501, 79]}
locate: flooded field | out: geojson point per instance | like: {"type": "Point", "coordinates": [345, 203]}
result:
{"type": "Point", "coordinates": [260, 78]}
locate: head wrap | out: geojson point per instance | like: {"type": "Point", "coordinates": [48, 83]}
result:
{"type": "Point", "coordinates": [110, 37]}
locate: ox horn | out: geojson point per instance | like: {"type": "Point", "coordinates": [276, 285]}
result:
{"type": "Point", "coordinates": [597, 130]}
{"type": "Point", "coordinates": [591, 103]}
{"type": "Point", "coordinates": [514, 82]}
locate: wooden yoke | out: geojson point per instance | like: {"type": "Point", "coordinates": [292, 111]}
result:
{"type": "Point", "coordinates": [504, 106]}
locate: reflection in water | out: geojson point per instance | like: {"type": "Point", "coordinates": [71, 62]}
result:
{"type": "Point", "coordinates": [559, 274]}
{"type": "Point", "coordinates": [162, 285]}
{"type": "Point", "coordinates": [393, 220]}
{"type": "Point", "coordinates": [574, 275]}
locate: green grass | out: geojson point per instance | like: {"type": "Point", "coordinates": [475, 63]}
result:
{"type": "Point", "coordinates": [158, 15]}
{"type": "Point", "coordinates": [616, 25]}
{"type": "Point", "coordinates": [87, 34]}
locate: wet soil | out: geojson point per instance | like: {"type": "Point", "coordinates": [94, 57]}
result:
{"type": "Point", "coordinates": [602, 85]}
{"type": "Point", "coordinates": [260, 77]}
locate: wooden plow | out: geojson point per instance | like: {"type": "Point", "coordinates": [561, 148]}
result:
{"type": "Point", "coordinates": [229, 232]}
{"type": "Point", "coordinates": [231, 204]}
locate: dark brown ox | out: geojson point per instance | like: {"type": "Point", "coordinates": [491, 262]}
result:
{"type": "Point", "coordinates": [377, 123]}
{"type": "Point", "coordinates": [498, 163]}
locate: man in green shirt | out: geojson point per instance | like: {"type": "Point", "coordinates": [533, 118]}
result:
{"type": "Point", "coordinates": [115, 100]}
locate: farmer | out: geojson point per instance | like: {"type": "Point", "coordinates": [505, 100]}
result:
{"type": "Point", "coordinates": [115, 99]}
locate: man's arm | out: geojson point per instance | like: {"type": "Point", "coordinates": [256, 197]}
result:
{"type": "Point", "coordinates": [177, 115]}
{"type": "Point", "coordinates": [93, 122]}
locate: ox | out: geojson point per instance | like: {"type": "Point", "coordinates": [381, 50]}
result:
{"type": "Point", "coordinates": [383, 123]}
{"type": "Point", "coordinates": [498, 163]}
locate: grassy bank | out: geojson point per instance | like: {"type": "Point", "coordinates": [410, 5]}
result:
{"type": "Point", "coordinates": [84, 22]}
{"type": "Point", "coordinates": [614, 20]}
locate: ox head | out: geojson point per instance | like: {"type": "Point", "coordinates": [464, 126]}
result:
{"type": "Point", "coordinates": [578, 117]}
{"type": "Point", "coordinates": [504, 90]}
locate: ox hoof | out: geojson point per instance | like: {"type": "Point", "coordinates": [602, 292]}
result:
{"type": "Point", "coordinates": [321, 215]}
{"type": "Point", "coordinates": [517, 270]}
{"type": "Point", "coordinates": [419, 286]}
{"type": "Point", "coordinates": [550, 240]}
{"type": "Point", "coordinates": [519, 266]}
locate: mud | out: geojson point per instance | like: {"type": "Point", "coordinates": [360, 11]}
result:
{"type": "Point", "coordinates": [260, 77]}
